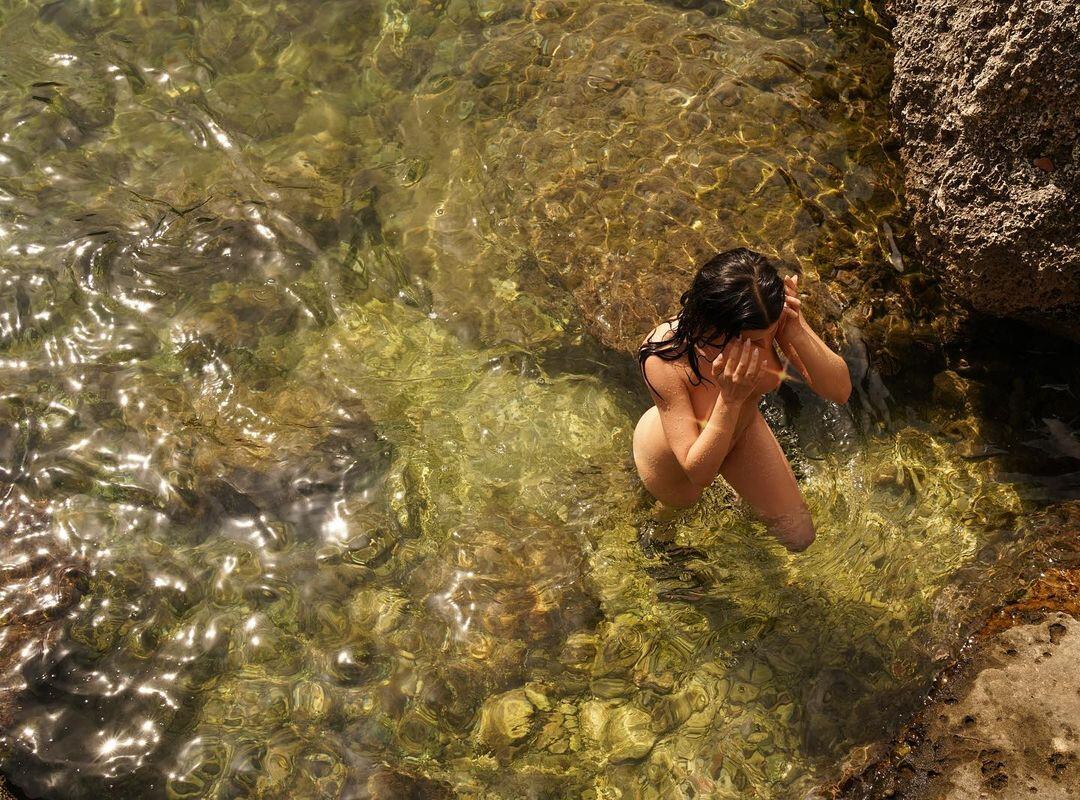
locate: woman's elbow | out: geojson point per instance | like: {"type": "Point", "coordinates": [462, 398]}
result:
{"type": "Point", "coordinates": [841, 391]}
{"type": "Point", "coordinates": [700, 479]}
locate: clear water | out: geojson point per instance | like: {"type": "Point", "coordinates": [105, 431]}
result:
{"type": "Point", "coordinates": [316, 407]}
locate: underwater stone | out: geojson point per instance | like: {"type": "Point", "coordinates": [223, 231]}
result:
{"type": "Point", "coordinates": [628, 734]}
{"type": "Point", "coordinates": [505, 719]}
{"type": "Point", "coordinates": [675, 709]}
{"type": "Point", "coordinates": [311, 703]}
{"type": "Point", "coordinates": [951, 390]}
{"type": "Point", "coordinates": [378, 611]}
{"type": "Point", "coordinates": [623, 732]}
{"type": "Point", "coordinates": [386, 784]}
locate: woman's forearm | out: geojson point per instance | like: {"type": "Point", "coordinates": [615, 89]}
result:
{"type": "Point", "coordinates": [827, 373]}
{"type": "Point", "coordinates": [707, 453]}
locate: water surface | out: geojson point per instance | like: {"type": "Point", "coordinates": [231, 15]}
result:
{"type": "Point", "coordinates": [315, 446]}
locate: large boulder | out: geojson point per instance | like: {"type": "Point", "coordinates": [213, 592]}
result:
{"type": "Point", "coordinates": [985, 99]}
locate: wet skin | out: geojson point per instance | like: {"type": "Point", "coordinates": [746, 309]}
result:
{"type": "Point", "coordinates": [722, 412]}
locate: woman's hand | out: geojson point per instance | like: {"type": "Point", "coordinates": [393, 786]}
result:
{"type": "Point", "coordinates": [792, 326]}
{"type": "Point", "coordinates": [791, 318]}
{"type": "Point", "coordinates": [736, 370]}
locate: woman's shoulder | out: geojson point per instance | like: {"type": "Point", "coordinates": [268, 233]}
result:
{"type": "Point", "coordinates": [662, 371]}
{"type": "Point", "coordinates": [661, 333]}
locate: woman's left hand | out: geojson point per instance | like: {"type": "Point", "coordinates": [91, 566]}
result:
{"type": "Point", "coordinates": [791, 317]}
{"type": "Point", "coordinates": [791, 325]}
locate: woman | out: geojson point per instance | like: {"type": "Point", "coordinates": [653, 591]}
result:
{"type": "Point", "coordinates": [706, 370]}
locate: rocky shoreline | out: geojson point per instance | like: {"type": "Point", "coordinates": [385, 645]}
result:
{"type": "Point", "coordinates": [1005, 727]}
{"type": "Point", "coordinates": [1003, 719]}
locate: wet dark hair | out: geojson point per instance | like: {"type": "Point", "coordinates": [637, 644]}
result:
{"type": "Point", "coordinates": [734, 291]}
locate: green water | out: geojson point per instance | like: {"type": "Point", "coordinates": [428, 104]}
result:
{"type": "Point", "coordinates": [316, 425]}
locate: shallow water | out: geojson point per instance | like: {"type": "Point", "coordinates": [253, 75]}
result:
{"type": "Point", "coordinates": [317, 477]}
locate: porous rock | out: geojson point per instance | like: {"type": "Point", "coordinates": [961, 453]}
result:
{"type": "Point", "coordinates": [623, 731]}
{"type": "Point", "coordinates": [985, 100]}
{"type": "Point", "coordinates": [1004, 727]}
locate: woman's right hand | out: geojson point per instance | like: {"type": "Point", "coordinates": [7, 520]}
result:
{"type": "Point", "coordinates": [736, 370]}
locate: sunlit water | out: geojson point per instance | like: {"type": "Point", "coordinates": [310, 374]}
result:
{"type": "Point", "coordinates": [316, 475]}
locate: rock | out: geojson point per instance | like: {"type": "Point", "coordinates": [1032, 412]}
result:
{"type": "Point", "coordinates": [505, 719]}
{"type": "Point", "coordinates": [623, 731]}
{"type": "Point", "coordinates": [529, 588]}
{"type": "Point", "coordinates": [42, 576]}
{"type": "Point", "coordinates": [1045, 164]}
{"type": "Point", "coordinates": [984, 100]}
{"type": "Point", "coordinates": [628, 734]}
{"type": "Point", "coordinates": [1011, 731]}
{"type": "Point", "coordinates": [1003, 720]}
{"type": "Point", "coordinates": [311, 702]}
{"type": "Point", "coordinates": [950, 389]}
{"type": "Point", "coordinates": [387, 784]}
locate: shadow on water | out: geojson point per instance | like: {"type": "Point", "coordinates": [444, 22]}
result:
{"type": "Point", "coordinates": [831, 701]}
{"type": "Point", "coordinates": [1032, 415]}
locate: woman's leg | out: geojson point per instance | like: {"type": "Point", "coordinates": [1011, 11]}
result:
{"type": "Point", "coordinates": [758, 470]}
{"type": "Point", "coordinates": [658, 468]}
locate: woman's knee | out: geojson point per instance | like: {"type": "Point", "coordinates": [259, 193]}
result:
{"type": "Point", "coordinates": [683, 499]}
{"type": "Point", "coordinates": [794, 530]}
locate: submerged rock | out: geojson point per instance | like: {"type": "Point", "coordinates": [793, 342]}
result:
{"type": "Point", "coordinates": [389, 785]}
{"type": "Point", "coordinates": [951, 390]}
{"type": "Point", "coordinates": [42, 575]}
{"type": "Point", "coordinates": [623, 732]}
{"type": "Point", "coordinates": [505, 720]}
{"type": "Point", "coordinates": [985, 100]}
